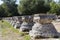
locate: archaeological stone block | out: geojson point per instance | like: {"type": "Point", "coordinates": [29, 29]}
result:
{"type": "Point", "coordinates": [27, 23]}
{"type": "Point", "coordinates": [17, 25]}
{"type": "Point", "coordinates": [43, 27]}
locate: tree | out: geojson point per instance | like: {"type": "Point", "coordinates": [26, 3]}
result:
{"type": "Point", "coordinates": [9, 1]}
{"type": "Point", "coordinates": [2, 12]}
{"type": "Point", "coordinates": [48, 1]}
{"type": "Point", "coordinates": [10, 7]}
{"type": "Point", "coordinates": [55, 8]}
{"type": "Point", "coordinates": [32, 7]}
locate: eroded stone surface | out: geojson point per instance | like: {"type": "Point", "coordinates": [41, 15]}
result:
{"type": "Point", "coordinates": [17, 25]}
{"type": "Point", "coordinates": [43, 27]}
{"type": "Point", "coordinates": [27, 24]}
{"type": "Point", "coordinates": [45, 30]}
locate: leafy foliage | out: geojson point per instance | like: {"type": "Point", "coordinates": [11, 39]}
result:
{"type": "Point", "coordinates": [55, 8]}
{"type": "Point", "coordinates": [32, 7]}
{"type": "Point", "coordinates": [10, 8]}
{"type": "Point", "coordinates": [28, 7]}
{"type": "Point", "coordinates": [2, 12]}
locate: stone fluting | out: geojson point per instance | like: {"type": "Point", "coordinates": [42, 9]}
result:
{"type": "Point", "coordinates": [17, 25]}
{"type": "Point", "coordinates": [43, 30]}
{"type": "Point", "coordinates": [26, 26]}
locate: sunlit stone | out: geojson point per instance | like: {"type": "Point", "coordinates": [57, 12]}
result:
{"type": "Point", "coordinates": [43, 27]}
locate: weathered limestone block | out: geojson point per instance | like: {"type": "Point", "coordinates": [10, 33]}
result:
{"type": "Point", "coordinates": [10, 20]}
{"type": "Point", "coordinates": [27, 24]}
{"type": "Point", "coordinates": [20, 19]}
{"type": "Point", "coordinates": [17, 25]}
{"type": "Point", "coordinates": [43, 29]}
{"type": "Point", "coordinates": [24, 27]}
{"type": "Point", "coordinates": [15, 18]}
{"type": "Point", "coordinates": [18, 22]}
{"type": "Point", "coordinates": [13, 23]}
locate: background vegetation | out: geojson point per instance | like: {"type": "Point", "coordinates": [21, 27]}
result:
{"type": "Point", "coordinates": [28, 7]}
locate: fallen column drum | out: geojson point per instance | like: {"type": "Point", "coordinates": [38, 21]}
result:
{"type": "Point", "coordinates": [43, 28]}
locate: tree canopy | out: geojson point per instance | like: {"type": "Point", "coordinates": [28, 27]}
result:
{"type": "Point", "coordinates": [55, 8]}
{"type": "Point", "coordinates": [28, 7]}
{"type": "Point", "coordinates": [32, 7]}
{"type": "Point", "coordinates": [10, 8]}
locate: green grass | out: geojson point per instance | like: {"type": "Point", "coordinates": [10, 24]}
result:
{"type": "Point", "coordinates": [6, 27]}
{"type": "Point", "coordinates": [27, 37]}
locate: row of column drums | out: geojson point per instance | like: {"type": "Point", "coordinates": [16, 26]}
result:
{"type": "Point", "coordinates": [38, 25]}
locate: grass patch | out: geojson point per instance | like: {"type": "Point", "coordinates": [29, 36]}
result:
{"type": "Point", "coordinates": [10, 26]}
{"type": "Point", "coordinates": [7, 28]}
{"type": "Point", "coordinates": [27, 37]}
{"type": "Point", "coordinates": [6, 25]}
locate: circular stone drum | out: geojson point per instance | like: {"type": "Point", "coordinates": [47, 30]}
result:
{"type": "Point", "coordinates": [17, 25]}
{"type": "Point", "coordinates": [43, 28]}
{"type": "Point", "coordinates": [27, 23]}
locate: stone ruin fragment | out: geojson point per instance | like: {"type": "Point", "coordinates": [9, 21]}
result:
{"type": "Point", "coordinates": [14, 20]}
{"type": "Point", "coordinates": [17, 25]}
{"type": "Point", "coordinates": [18, 22]}
{"type": "Point", "coordinates": [27, 24]}
{"type": "Point", "coordinates": [43, 27]}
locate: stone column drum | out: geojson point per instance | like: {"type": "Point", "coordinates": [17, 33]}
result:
{"type": "Point", "coordinates": [17, 25]}
{"type": "Point", "coordinates": [43, 27]}
{"type": "Point", "coordinates": [27, 23]}
{"type": "Point", "coordinates": [18, 22]}
{"type": "Point", "coordinates": [14, 20]}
